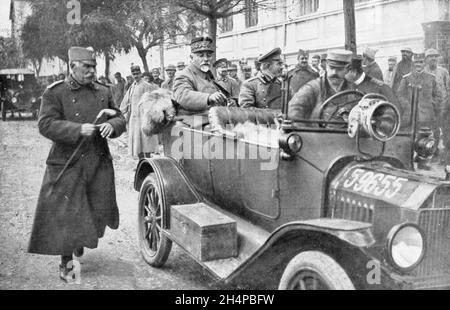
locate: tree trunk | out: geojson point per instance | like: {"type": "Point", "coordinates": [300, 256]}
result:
{"type": "Point", "coordinates": [161, 59]}
{"type": "Point", "coordinates": [107, 64]}
{"type": "Point", "coordinates": [143, 56]}
{"type": "Point", "coordinates": [212, 29]}
{"type": "Point", "coordinates": [350, 25]}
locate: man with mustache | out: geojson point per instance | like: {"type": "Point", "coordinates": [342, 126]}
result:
{"type": "Point", "coordinates": [264, 91]}
{"type": "Point", "coordinates": [305, 103]}
{"type": "Point", "coordinates": [404, 67]}
{"type": "Point", "coordinates": [430, 99]}
{"type": "Point", "coordinates": [301, 74]}
{"type": "Point", "coordinates": [224, 80]}
{"type": "Point", "coordinates": [73, 213]}
{"type": "Point", "coordinates": [194, 88]}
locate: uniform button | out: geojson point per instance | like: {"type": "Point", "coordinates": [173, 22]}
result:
{"type": "Point", "coordinates": [77, 114]}
{"type": "Point", "coordinates": [74, 100]}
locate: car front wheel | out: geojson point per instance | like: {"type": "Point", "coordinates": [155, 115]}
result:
{"type": "Point", "coordinates": [314, 270]}
{"type": "Point", "coordinates": [154, 245]}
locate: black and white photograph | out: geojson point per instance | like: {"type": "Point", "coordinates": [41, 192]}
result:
{"type": "Point", "coordinates": [224, 150]}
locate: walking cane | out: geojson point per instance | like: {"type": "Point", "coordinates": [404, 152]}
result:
{"type": "Point", "coordinates": [109, 112]}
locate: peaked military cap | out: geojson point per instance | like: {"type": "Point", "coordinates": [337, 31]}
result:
{"type": "Point", "coordinates": [431, 52]}
{"type": "Point", "coordinates": [370, 52]}
{"type": "Point", "coordinates": [393, 58]}
{"type": "Point", "coordinates": [419, 57]}
{"type": "Point", "coordinates": [247, 69]}
{"type": "Point", "coordinates": [339, 58]}
{"type": "Point", "coordinates": [316, 57]}
{"type": "Point", "coordinates": [171, 68]}
{"type": "Point", "coordinates": [232, 67]}
{"type": "Point", "coordinates": [323, 57]}
{"type": "Point", "coordinates": [220, 62]}
{"type": "Point", "coordinates": [181, 64]}
{"type": "Point", "coordinates": [356, 61]}
{"type": "Point", "coordinates": [135, 68]}
{"type": "Point", "coordinates": [302, 52]}
{"type": "Point", "coordinates": [155, 70]}
{"type": "Point", "coordinates": [83, 54]}
{"type": "Point", "coordinates": [272, 55]}
{"type": "Point", "coordinates": [201, 44]}
{"type": "Point", "coordinates": [407, 49]}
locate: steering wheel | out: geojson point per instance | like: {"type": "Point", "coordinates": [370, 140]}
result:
{"type": "Point", "coordinates": [333, 110]}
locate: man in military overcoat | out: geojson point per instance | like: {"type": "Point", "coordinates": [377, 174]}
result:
{"type": "Point", "coordinates": [73, 213]}
{"type": "Point", "coordinates": [264, 91]}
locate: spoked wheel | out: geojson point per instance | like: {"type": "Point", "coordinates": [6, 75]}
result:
{"type": "Point", "coordinates": [314, 270]}
{"type": "Point", "coordinates": [155, 246]}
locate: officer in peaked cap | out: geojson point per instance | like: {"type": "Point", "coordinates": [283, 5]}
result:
{"type": "Point", "coordinates": [181, 65]}
{"type": "Point", "coordinates": [168, 83]}
{"type": "Point", "coordinates": [224, 80]}
{"type": "Point", "coordinates": [404, 67]}
{"type": "Point", "coordinates": [264, 90]}
{"type": "Point", "coordinates": [430, 99]}
{"type": "Point", "coordinates": [195, 88]}
{"type": "Point", "coordinates": [232, 73]}
{"type": "Point", "coordinates": [73, 213]}
{"type": "Point", "coordinates": [301, 74]}
{"type": "Point", "coordinates": [306, 102]}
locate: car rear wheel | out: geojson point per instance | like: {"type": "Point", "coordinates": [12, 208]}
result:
{"type": "Point", "coordinates": [154, 245]}
{"type": "Point", "coordinates": [314, 270]}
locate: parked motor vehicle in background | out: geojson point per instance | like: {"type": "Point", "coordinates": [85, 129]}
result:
{"type": "Point", "coordinates": [342, 208]}
{"type": "Point", "coordinates": [20, 93]}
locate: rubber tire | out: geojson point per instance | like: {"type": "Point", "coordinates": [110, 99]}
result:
{"type": "Point", "coordinates": [157, 260]}
{"type": "Point", "coordinates": [331, 272]}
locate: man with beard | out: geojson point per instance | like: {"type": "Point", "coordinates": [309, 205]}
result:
{"type": "Point", "coordinates": [389, 73]}
{"type": "Point", "coordinates": [315, 64]}
{"type": "Point", "coordinates": [367, 84]}
{"type": "Point", "coordinates": [301, 74]}
{"type": "Point", "coordinates": [168, 83]}
{"type": "Point", "coordinates": [264, 91]}
{"type": "Point", "coordinates": [138, 145]}
{"type": "Point", "coordinates": [229, 84]}
{"type": "Point", "coordinates": [371, 67]}
{"type": "Point", "coordinates": [404, 67]}
{"type": "Point", "coordinates": [75, 205]}
{"type": "Point", "coordinates": [194, 88]}
{"type": "Point", "coordinates": [305, 103]}
{"type": "Point", "coordinates": [429, 99]}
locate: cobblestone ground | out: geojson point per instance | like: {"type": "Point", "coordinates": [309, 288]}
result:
{"type": "Point", "coordinates": [115, 264]}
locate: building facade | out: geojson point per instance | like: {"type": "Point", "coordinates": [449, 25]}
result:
{"type": "Point", "coordinates": [317, 25]}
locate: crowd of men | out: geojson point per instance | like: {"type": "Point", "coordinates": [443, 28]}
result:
{"type": "Point", "coordinates": [74, 214]}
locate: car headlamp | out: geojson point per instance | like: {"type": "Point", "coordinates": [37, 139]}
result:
{"type": "Point", "coordinates": [406, 246]}
{"type": "Point", "coordinates": [425, 145]}
{"type": "Point", "coordinates": [376, 117]}
{"type": "Point", "coordinates": [291, 143]}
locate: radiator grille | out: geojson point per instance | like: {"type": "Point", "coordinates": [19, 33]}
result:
{"type": "Point", "coordinates": [434, 271]}
{"type": "Point", "coordinates": [349, 208]}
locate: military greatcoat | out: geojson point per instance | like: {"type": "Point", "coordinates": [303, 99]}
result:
{"type": "Point", "coordinates": [191, 89]}
{"type": "Point", "coordinates": [80, 206]}
{"type": "Point", "coordinates": [262, 92]}
{"type": "Point", "coordinates": [299, 76]}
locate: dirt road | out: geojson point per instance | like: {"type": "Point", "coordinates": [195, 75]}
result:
{"type": "Point", "coordinates": [115, 264]}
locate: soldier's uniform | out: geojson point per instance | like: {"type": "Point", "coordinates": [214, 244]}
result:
{"type": "Point", "coordinates": [192, 87]}
{"type": "Point", "coordinates": [168, 83]}
{"type": "Point", "coordinates": [299, 76]}
{"type": "Point", "coordinates": [229, 84]}
{"type": "Point", "coordinates": [305, 103]}
{"type": "Point", "coordinates": [233, 68]}
{"type": "Point", "coordinates": [83, 203]}
{"type": "Point", "coordinates": [262, 91]}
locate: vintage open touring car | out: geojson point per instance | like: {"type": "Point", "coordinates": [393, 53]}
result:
{"type": "Point", "coordinates": [332, 203]}
{"type": "Point", "coordinates": [19, 93]}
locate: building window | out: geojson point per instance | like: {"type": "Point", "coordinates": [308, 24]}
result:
{"type": "Point", "coordinates": [308, 7]}
{"type": "Point", "coordinates": [251, 13]}
{"type": "Point", "coordinates": [227, 23]}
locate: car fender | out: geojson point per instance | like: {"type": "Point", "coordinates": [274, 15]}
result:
{"type": "Point", "coordinates": [176, 186]}
{"type": "Point", "coordinates": [344, 240]}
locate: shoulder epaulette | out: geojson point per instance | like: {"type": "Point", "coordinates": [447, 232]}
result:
{"type": "Point", "coordinates": [406, 75]}
{"type": "Point", "coordinates": [54, 84]}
